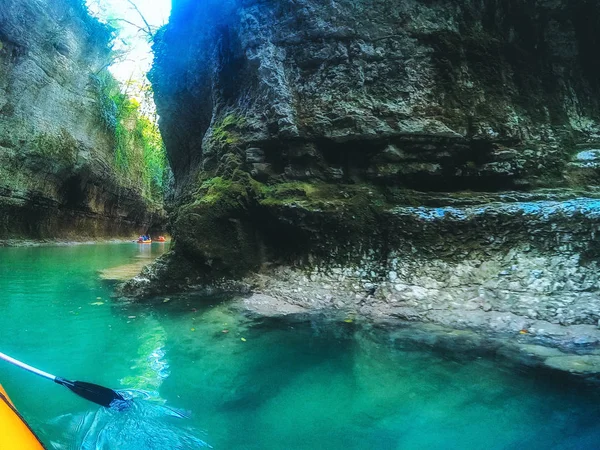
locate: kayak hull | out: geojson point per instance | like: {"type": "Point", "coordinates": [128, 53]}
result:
{"type": "Point", "coordinates": [15, 434]}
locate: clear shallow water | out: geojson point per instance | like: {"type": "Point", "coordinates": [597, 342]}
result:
{"type": "Point", "coordinates": [319, 384]}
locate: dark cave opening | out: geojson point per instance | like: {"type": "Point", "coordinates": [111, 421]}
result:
{"type": "Point", "coordinates": [73, 193]}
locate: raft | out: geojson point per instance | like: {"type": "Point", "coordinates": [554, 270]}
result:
{"type": "Point", "coordinates": [145, 242]}
{"type": "Point", "coordinates": [161, 239]}
{"type": "Point", "coordinates": [15, 433]}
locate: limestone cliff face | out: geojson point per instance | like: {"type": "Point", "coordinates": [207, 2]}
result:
{"type": "Point", "coordinates": [426, 149]}
{"type": "Point", "coordinates": [56, 153]}
{"type": "Point", "coordinates": [446, 94]}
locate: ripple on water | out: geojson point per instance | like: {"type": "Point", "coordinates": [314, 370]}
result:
{"type": "Point", "coordinates": [144, 425]}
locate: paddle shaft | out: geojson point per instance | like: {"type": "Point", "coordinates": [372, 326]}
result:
{"type": "Point", "coordinates": [31, 369]}
{"type": "Point", "coordinates": [92, 392]}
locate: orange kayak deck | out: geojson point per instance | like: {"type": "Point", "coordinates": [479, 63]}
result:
{"type": "Point", "coordinates": [15, 434]}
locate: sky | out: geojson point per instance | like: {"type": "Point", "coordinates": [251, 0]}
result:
{"type": "Point", "coordinates": [130, 39]}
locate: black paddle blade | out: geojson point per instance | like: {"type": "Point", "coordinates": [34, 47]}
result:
{"type": "Point", "coordinates": [92, 392]}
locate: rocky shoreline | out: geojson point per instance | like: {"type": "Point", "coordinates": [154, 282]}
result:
{"type": "Point", "coordinates": [459, 324]}
{"type": "Point", "coordinates": [83, 240]}
{"type": "Point", "coordinates": [572, 348]}
{"type": "Point", "coordinates": [525, 277]}
{"type": "Point", "coordinates": [559, 349]}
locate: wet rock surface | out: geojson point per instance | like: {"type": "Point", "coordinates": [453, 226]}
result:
{"type": "Point", "coordinates": [57, 177]}
{"type": "Point", "coordinates": [175, 273]}
{"type": "Point", "coordinates": [449, 317]}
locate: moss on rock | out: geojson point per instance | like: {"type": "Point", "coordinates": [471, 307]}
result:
{"type": "Point", "coordinates": [233, 223]}
{"type": "Point", "coordinates": [62, 148]}
{"type": "Point", "coordinates": [224, 132]}
{"type": "Point", "coordinates": [216, 229]}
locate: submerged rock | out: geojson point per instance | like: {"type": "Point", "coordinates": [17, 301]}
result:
{"type": "Point", "coordinates": [580, 364]}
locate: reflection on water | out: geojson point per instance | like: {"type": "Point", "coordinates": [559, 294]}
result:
{"type": "Point", "coordinates": [150, 368]}
{"type": "Point", "coordinates": [145, 255]}
{"type": "Point", "coordinates": [142, 422]}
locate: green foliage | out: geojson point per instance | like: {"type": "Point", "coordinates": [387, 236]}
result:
{"type": "Point", "coordinates": [139, 152]}
{"type": "Point", "coordinates": [107, 87]}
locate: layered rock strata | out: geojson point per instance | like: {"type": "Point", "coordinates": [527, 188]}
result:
{"type": "Point", "coordinates": [57, 176]}
{"type": "Point", "coordinates": [433, 161]}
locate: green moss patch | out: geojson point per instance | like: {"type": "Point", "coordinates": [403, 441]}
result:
{"type": "Point", "coordinates": [225, 132]}
{"type": "Point", "coordinates": [322, 196]}
{"type": "Point", "coordinates": [62, 148]}
{"type": "Point", "coordinates": [234, 223]}
{"type": "Point", "coordinates": [216, 227]}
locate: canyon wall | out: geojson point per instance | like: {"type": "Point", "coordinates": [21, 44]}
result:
{"type": "Point", "coordinates": [405, 158]}
{"type": "Point", "coordinates": [317, 109]}
{"type": "Point", "coordinates": [57, 173]}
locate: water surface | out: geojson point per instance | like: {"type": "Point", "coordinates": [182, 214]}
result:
{"type": "Point", "coordinates": [205, 375]}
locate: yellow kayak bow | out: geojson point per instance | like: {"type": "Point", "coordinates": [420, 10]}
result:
{"type": "Point", "coordinates": [15, 434]}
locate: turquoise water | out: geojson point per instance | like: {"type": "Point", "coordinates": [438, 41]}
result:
{"type": "Point", "coordinates": [314, 384]}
